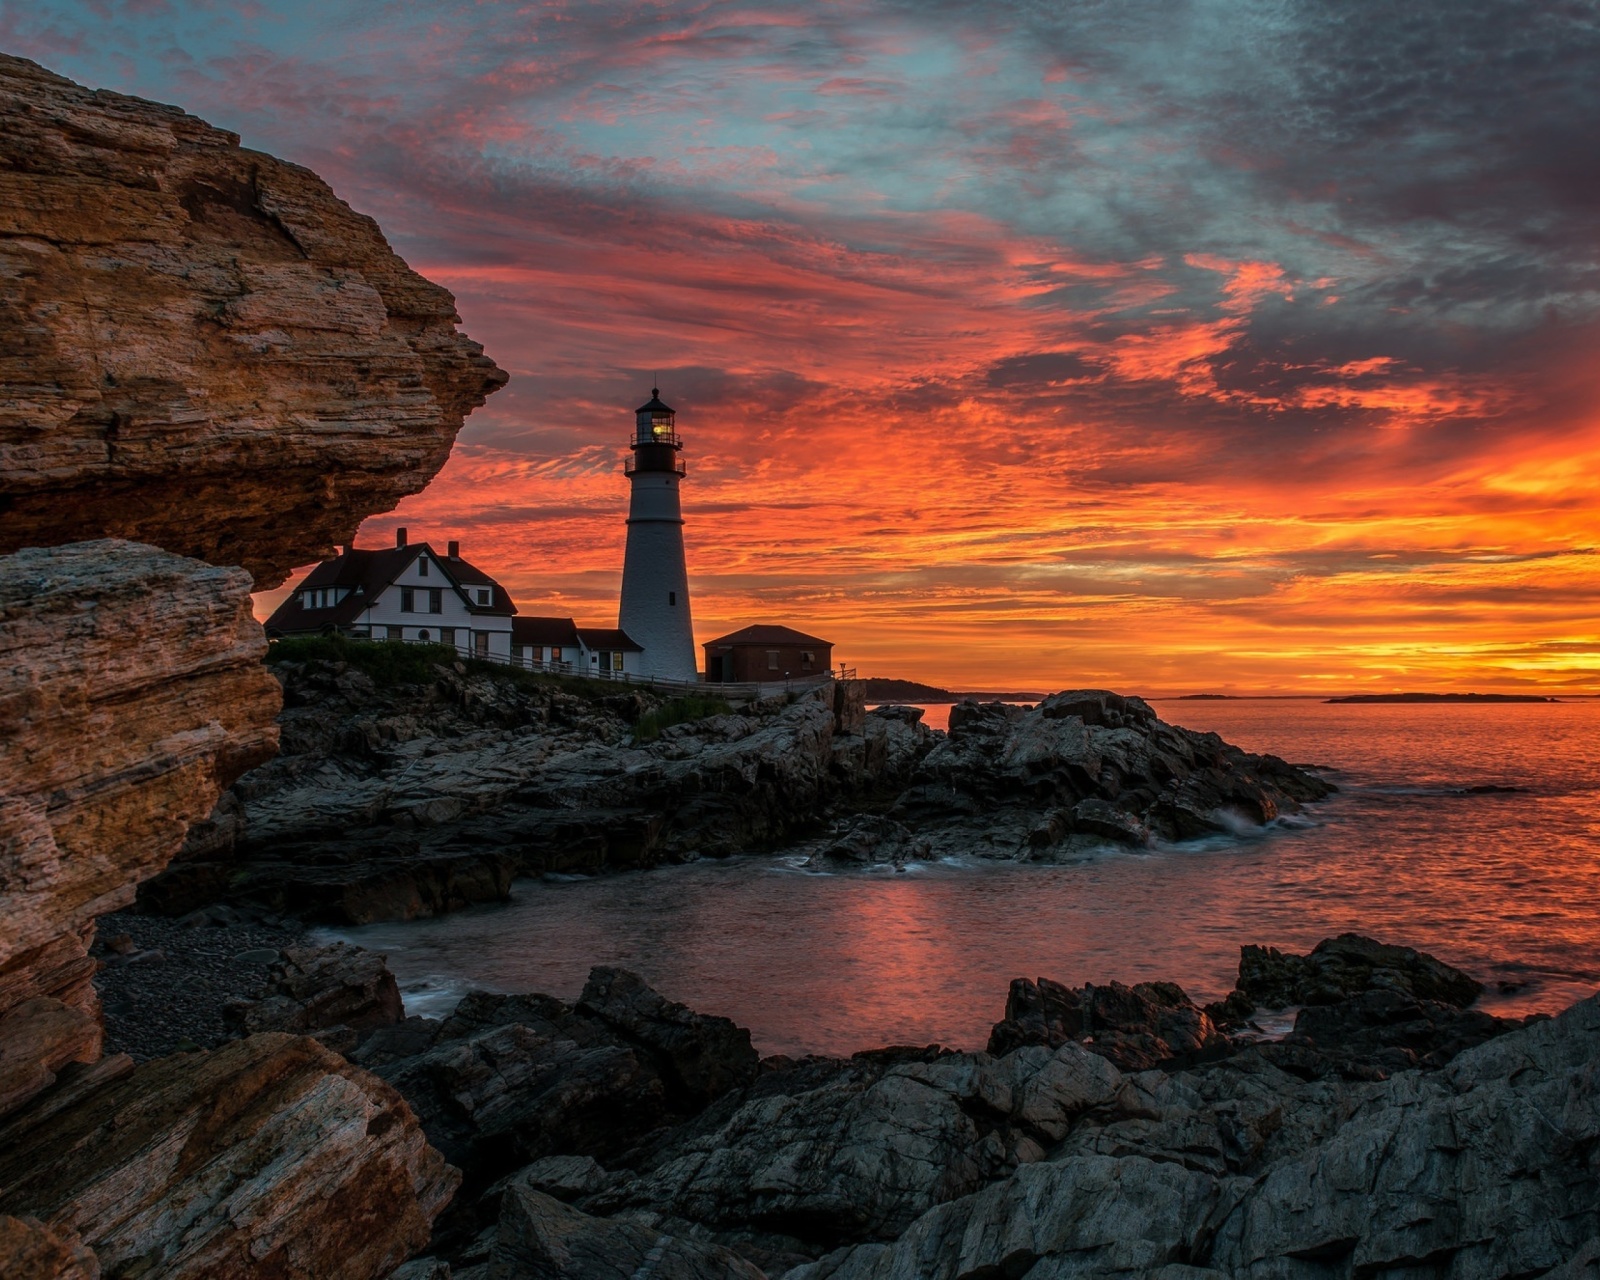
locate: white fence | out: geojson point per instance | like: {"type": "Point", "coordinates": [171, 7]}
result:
{"type": "Point", "coordinates": [745, 691]}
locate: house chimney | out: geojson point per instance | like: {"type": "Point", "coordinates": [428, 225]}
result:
{"type": "Point", "coordinates": [455, 551]}
{"type": "Point", "coordinates": [349, 547]}
{"type": "Point", "coordinates": [400, 536]}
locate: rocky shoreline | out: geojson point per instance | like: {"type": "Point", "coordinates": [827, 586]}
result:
{"type": "Point", "coordinates": [1106, 1131]}
{"type": "Point", "coordinates": [405, 793]}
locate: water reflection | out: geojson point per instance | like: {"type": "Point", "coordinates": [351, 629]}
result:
{"type": "Point", "coordinates": [1503, 884]}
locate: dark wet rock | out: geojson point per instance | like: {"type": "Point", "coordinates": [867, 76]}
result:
{"type": "Point", "coordinates": [312, 989]}
{"type": "Point", "coordinates": [412, 800]}
{"type": "Point", "coordinates": [701, 1056]}
{"type": "Point", "coordinates": [1345, 966]}
{"type": "Point", "coordinates": [1396, 1031]}
{"type": "Point", "coordinates": [1083, 768]}
{"type": "Point", "coordinates": [1234, 1169]}
{"type": "Point", "coordinates": [539, 1238]}
{"type": "Point", "coordinates": [1133, 1027]}
{"type": "Point", "coordinates": [894, 711]}
{"type": "Point", "coordinates": [872, 840]}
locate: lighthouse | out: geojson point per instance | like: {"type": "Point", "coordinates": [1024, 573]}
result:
{"type": "Point", "coordinates": [655, 581]}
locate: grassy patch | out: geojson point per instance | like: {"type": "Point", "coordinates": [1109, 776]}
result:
{"type": "Point", "coordinates": [677, 711]}
{"type": "Point", "coordinates": [390, 663]}
{"type": "Point", "coordinates": [387, 664]}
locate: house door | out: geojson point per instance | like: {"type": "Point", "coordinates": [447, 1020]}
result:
{"type": "Point", "coordinates": [480, 643]}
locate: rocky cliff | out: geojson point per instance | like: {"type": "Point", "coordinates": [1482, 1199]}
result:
{"type": "Point", "coordinates": [134, 694]}
{"type": "Point", "coordinates": [205, 348]}
{"type": "Point", "coordinates": [206, 351]}
{"type": "Point", "coordinates": [404, 796]}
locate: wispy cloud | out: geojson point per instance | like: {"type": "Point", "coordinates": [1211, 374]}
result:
{"type": "Point", "coordinates": [1225, 341]}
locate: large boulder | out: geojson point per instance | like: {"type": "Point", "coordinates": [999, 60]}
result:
{"type": "Point", "coordinates": [208, 349]}
{"type": "Point", "coordinates": [1348, 965]}
{"type": "Point", "coordinates": [268, 1156]}
{"type": "Point", "coordinates": [1083, 769]}
{"type": "Point", "coordinates": [314, 989]}
{"type": "Point", "coordinates": [701, 1055]}
{"type": "Point", "coordinates": [1134, 1027]}
{"type": "Point", "coordinates": [539, 1238]}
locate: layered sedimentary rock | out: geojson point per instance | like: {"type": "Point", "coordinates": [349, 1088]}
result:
{"type": "Point", "coordinates": [132, 694]}
{"type": "Point", "coordinates": [268, 1157]}
{"type": "Point", "coordinates": [204, 348]}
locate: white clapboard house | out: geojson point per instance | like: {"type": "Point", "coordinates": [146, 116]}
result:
{"type": "Point", "coordinates": [404, 592]}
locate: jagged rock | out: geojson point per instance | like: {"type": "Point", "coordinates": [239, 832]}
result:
{"type": "Point", "coordinates": [1345, 966]}
{"type": "Point", "coordinates": [209, 350]}
{"type": "Point", "coordinates": [508, 1080]}
{"type": "Point", "coordinates": [133, 694]}
{"type": "Point", "coordinates": [702, 1056]}
{"type": "Point", "coordinates": [1085, 767]}
{"type": "Point", "coordinates": [1483, 1168]}
{"type": "Point", "coordinates": [1134, 1027]}
{"type": "Point", "coordinates": [1395, 1031]}
{"type": "Point", "coordinates": [269, 1156]}
{"type": "Point", "coordinates": [314, 988]}
{"type": "Point", "coordinates": [872, 839]}
{"type": "Point", "coordinates": [539, 1238]}
{"type": "Point", "coordinates": [831, 1151]}
{"type": "Point", "coordinates": [413, 800]}
{"type": "Point", "coordinates": [1090, 1216]}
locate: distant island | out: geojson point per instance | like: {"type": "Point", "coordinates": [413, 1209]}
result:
{"type": "Point", "coordinates": [1206, 697]}
{"type": "Point", "coordinates": [883, 689]}
{"type": "Point", "coordinates": [1444, 697]}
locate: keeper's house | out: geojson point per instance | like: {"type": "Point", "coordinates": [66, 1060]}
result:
{"type": "Point", "coordinates": [765, 653]}
{"type": "Point", "coordinates": [559, 644]}
{"type": "Point", "coordinates": [403, 592]}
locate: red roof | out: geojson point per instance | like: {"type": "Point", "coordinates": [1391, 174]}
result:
{"type": "Point", "coordinates": [767, 634]}
{"type": "Point", "coordinates": [608, 638]}
{"type": "Point", "coordinates": [562, 633]}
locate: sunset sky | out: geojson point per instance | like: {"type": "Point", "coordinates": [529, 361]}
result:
{"type": "Point", "coordinates": [1169, 345]}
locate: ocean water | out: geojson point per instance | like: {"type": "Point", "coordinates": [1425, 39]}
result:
{"type": "Point", "coordinates": [1504, 883]}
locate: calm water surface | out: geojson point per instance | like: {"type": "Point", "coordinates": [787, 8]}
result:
{"type": "Point", "coordinates": [1506, 885]}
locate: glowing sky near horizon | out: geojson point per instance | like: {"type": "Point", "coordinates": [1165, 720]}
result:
{"type": "Point", "coordinates": [1174, 345]}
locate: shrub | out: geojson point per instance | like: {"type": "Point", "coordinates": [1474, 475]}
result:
{"type": "Point", "coordinates": [386, 663]}
{"type": "Point", "coordinates": [677, 711]}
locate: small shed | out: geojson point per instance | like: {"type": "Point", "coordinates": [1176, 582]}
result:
{"type": "Point", "coordinates": [765, 652]}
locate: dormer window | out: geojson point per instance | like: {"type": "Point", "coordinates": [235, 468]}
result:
{"type": "Point", "coordinates": [483, 595]}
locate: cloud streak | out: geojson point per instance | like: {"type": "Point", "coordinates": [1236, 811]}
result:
{"type": "Point", "coordinates": [1238, 343]}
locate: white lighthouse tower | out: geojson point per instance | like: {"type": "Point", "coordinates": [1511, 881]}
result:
{"type": "Point", "coordinates": [655, 581]}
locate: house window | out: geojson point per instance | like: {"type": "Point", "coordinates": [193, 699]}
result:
{"type": "Point", "coordinates": [395, 633]}
{"type": "Point", "coordinates": [436, 601]}
{"type": "Point", "coordinates": [672, 597]}
{"type": "Point", "coordinates": [447, 635]}
{"type": "Point", "coordinates": [422, 566]}
{"type": "Point", "coordinates": [480, 643]}
{"type": "Point", "coordinates": [555, 653]}
{"type": "Point", "coordinates": [806, 659]}
{"type": "Point", "coordinates": [594, 657]}
{"type": "Point", "coordinates": [616, 660]}
{"type": "Point", "coordinates": [483, 595]}
{"type": "Point", "coordinates": [407, 600]}
{"type": "Point", "coordinates": [423, 635]}
{"type": "Point", "coordinates": [772, 659]}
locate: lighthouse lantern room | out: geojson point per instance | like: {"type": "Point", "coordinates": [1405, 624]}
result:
{"type": "Point", "coordinates": [655, 581]}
